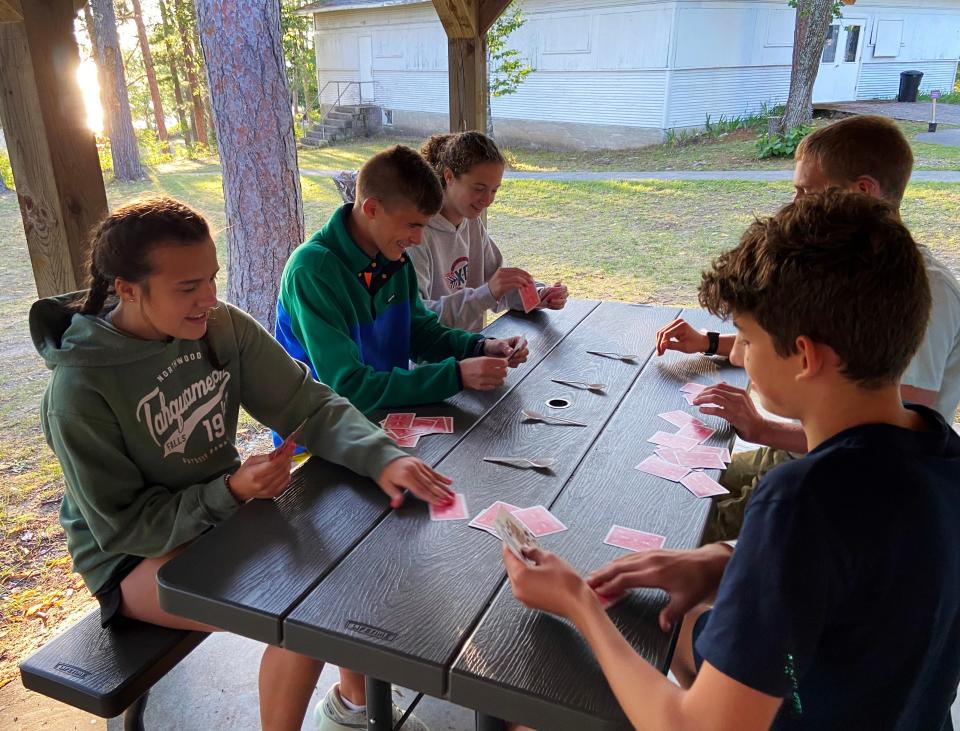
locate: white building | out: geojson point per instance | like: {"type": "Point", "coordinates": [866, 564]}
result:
{"type": "Point", "coordinates": [616, 73]}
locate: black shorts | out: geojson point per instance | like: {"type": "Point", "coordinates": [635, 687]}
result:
{"type": "Point", "coordinates": [109, 594]}
{"type": "Point", "coordinates": [697, 629]}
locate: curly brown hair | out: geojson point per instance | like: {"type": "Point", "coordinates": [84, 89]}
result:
{"type": "Point", "coordinates": [837, 267]}
{"type": "Point", "coordinates": [459, 152]}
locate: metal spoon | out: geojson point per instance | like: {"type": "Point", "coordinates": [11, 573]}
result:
{"type": "Point", "coordinates": [536, 416]}
{"type": "Point", "coordinates": [522, 462]}
{"type": "Point", "coordinates": [588, 386]}
{"type": "Point", "coordinates": [618, 356]}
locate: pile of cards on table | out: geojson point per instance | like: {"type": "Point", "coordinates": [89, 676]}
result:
{"type": "Point", "coordinates": [681, 455]}
{"type": "Point", "coordinates": [407, 428]}
{"type": "Point", "coordinates": [538, 520]}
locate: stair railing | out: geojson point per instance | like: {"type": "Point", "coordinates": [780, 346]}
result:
{"type": "Point", "coordinates": [340, 94]}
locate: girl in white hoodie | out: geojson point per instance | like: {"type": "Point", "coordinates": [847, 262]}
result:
{"type": "Point", "coordinates": [460, 270]}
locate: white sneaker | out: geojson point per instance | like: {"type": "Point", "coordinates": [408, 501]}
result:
{"type": "Point", "coordinates": [333, 715]}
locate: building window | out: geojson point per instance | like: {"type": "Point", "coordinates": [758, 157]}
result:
{"type": "Point", "coordinates": [388, 117]}
{"type": "Point", "coordinates": [853, 41]}
{"type": "Point", "coordinates": [830, 47]}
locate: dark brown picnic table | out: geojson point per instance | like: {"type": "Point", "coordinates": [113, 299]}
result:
{"type": "Point", "coordinates": [328, 570]}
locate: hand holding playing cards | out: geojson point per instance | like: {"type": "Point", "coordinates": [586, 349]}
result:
{"type": "Point", "coordinates": [412, 474]}
{"type": "Point", "coordinates": [680, 336]}
{"type": "Point", "coordinates": [689, 577]}
{"type": "Point", "coordinates": [735, 406]}
{"type": "Point", "coordinates": [550, 584]}
{"type": "Point", "coordinates": [506, 279]}
{"type": "Point", "coordinates": [261, 476]}
{"type": "Point", "coordinates": [514, 349]}
{"type": "Point", "coordinates": [553, 298]}
{"type": "Point", "coordinates": [483, 373]}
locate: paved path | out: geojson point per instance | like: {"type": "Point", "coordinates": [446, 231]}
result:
{"type": "Point", "coordinates": [920, 176]}
{"type": "Point", "coordinates": [908, 111]}
{"type": "Point", "coordinates": [947, 137]}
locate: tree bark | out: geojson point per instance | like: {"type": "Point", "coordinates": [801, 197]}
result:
{"type": "Point", "coordinates": [174, 75]}
{"type": "Point", "coordinates": [243, 51]}
{"type": "Point", "coordinates": [151, 76]}
{"type": "Point", "coordinates": [101, 79]}
{"type": "Point", "coordinates": [123, 141]}
{"type": "Point", "coordinates": [193, 86]}
{"type": "Point", "coordinates": [809, 36]}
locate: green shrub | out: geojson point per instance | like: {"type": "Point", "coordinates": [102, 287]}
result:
{"type": "Point", "coordinates": [6, 172]}
{"type": "Point", "coordinates": [781, 145]}
{"type": "Point", "coordinates": [152, 150]}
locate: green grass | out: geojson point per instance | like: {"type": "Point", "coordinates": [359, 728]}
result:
{"type": "Point", "coordinates": [731, 151]}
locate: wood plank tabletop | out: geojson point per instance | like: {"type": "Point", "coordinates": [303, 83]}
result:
{"type": "Point", "coordinates": [400, 605]}
{"type": "Point", "coordinates": [249, 572]}
{"type": "Point", "coordinates": [533, 668]}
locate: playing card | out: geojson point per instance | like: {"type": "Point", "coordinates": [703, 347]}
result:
{"type": "Point", "coordinates": [700, 432]}
{"type": "Point", "coordinates": [514, 533]}
{"type": "Point", "coordinates": [668, 455]}
{"type": "Point", "coordinates": [661, 468]}
{"type": "Point", "coordinates": [722, 452]}
{"type": "Point", "coordinates": [633, 540]}
{"type": "Point", "coordinates": [403, 437]}
{"type": "Point", "coordinates": [695, 459]}
{"type": "Point", "coordinates": [673, 440]}
{"type": "Point", "coordinates": [486, 518]}
{"type": "Point", "coordinates": [424, 425]}
{"type": "Point", "coordinates": [290, 443]}
{"type": "Point", "coordinates": [540, 521]}
{"type": "Point", "coordinates": [455, 511]}
{"type": "Point", "coordinates": [611, 600]}
{"type": "Point", "coordinates": [529, 296]}
{"type": "Point", "coordinates": [446, 424]}
{"type": "Point", "coordinates": [399, 421]}
{"type": "Point", "coordinates": [693, 388]}
{"type": "Point", "coordinates": [702, 485]}
{"type": "Point", "coordinates": [680, 418]}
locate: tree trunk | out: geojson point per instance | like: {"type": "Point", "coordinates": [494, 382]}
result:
{"type": "Point", "coordinates": [151, 76]}
{"type": "Point", "coordinates": [101, 79]}
{"type": "Point", "coordinates": [193, 87]}
{"type": "Point", "coordinates": [123, 141]}
{"type": "Point", "coordinates": [809, 36]}
{"type": "Point", "coordinates": [174, 75]}
{"type": "Point", "coordinates": [243, 50]}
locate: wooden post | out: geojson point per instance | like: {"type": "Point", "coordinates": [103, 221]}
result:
{"type": "Point", "coordinates": [466, 23]}
{"type": "Point", "coordinates": [52, 151]}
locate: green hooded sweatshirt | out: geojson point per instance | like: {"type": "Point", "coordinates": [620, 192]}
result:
{"type": "Point", "coordinates": [145, 430]}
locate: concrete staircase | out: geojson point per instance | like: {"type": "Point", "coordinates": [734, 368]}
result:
{"type": "Point", "coordinates": [344, 123]}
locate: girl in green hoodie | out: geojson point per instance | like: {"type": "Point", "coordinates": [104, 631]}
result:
{"type": "Point", "coordinates": [149, 372]}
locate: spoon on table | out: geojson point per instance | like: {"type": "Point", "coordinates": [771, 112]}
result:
{"type": "Point", "coordinates": [618, 356]}
{"type": "Point", "coordinates": [537, 416]}
{"type": "Point", "coordinates": [522, 462]}
{"type": "Point", "coordinates": [581, 384]}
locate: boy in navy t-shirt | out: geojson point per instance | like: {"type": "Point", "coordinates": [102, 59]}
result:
{"type": "Point", "coordinates": [840, 608]}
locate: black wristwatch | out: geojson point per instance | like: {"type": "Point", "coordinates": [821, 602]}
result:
{"type": "Point", "coordinates": [713, 343]}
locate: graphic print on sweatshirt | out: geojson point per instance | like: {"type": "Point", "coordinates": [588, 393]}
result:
{"type": "Point", "coordinates": [456, 278]}
{"type": "Point", "coordinates": [175, 409]}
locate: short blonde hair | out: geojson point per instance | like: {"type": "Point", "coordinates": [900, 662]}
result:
{"type": "Point", "coordinates": [861, 145]}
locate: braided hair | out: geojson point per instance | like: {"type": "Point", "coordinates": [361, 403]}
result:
{"type": "Point", "coordinates": [120, 246]}
{"type": "Point", "coordinates": [460, 152]}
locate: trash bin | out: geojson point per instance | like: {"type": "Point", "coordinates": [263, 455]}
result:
{"type": "Point", "coordinates": [909, 86]}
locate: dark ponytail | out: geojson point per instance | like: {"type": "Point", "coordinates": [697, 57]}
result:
{"type": "Point", "coordinates": [460, 152]}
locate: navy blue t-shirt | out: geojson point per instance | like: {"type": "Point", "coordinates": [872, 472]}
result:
{"type": "Point", "coordinates": [843, 594]}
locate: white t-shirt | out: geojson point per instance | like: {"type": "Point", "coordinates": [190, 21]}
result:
{"type": "Point", "coordinates": [936, 366]}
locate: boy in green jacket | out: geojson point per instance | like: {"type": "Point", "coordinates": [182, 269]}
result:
{"type": "Point", "coordinates": [349, 305]}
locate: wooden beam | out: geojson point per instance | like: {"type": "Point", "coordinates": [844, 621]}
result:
{"type": "Point", "coordinates": [490, 10]}
{"type": "Point", "coordinates": [52, 151]}
{"type": "Point", "coordinates": [10, 11]}
{"type": "Point", "coordinates": [467, 70]}
{"type": "Point", "coordinates": [459, 17]}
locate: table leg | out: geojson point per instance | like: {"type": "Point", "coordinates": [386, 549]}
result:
{"type": "Point", "coordinates": [379, 705]}
{"type": "Point", "coordinates": [489, 723]}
